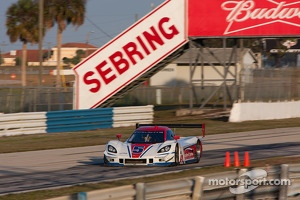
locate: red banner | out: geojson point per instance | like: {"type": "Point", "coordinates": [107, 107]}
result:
{"type": "Point", "coordinates": [242, 18]}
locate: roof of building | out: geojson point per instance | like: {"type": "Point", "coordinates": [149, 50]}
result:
{"type": "Point", "coordinates": [78, 45]}
{"type": "Point", "coordinates": [32, 55]}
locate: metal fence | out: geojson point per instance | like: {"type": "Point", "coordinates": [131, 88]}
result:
{"type": "Point", "coordinates": [258, 85]}
{"type": "Point", "coordinates": [280, 84]}
{"type": "Point", "coordinates": [34, 99]}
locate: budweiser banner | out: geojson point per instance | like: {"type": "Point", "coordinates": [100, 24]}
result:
{"type": "Point", "coordinates": [242, 18]}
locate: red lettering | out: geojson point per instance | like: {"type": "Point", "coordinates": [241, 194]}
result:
{"type": "Point", "coordinates": [153, 38]}
{"type": "Point", "coordinates": [131, 50]}
{"type": "Point", "coordinates": [118, 60]}
{"type": "Point", "coordinates": [131, 53]}
{"type": "Point", "coordinates": [143, 45]}
{"type": "Point", "coordinates": [88, 81]}
{"type": "Point", "coordinates": [172, 28]}
{"type": "Point", "coordinates": [104, 73]}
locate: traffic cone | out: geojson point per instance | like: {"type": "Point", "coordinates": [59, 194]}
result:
{"type": "Point", "coordinates": [236, 159]}
{"type": "Point", "coordinates": [246, 159]}
{"type": "Point", "coordinates": [227, 159]}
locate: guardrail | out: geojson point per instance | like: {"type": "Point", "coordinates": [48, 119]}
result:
{"type": "Point", "coordinates": [200, 187]}
{"type": "Point", "coordinates": [73, 120]}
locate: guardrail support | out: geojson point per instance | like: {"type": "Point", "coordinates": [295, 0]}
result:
{"type": "Point", "coordinates": [284, 175]}
{"type": "Point", "coordinates": [140, 191]}
{"type": "Point", "coordinates": [198, 188]}
{"type": "Point", "coordinates": [240, 172]}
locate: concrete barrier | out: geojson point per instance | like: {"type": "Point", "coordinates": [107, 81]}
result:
{"type": "Point", "coordinates": [73, 120]}
{"type": "Point", "coordinates": [248, 111]}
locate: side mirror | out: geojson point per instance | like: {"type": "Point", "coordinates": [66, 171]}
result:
{"type": "Point", "coordinates": [119, 136]}
{"type": "Point", "coordinates": [176, 137]}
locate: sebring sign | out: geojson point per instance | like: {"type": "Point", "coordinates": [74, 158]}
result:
{"type": "Point", "coordinates": [130, 54]}
{"type": "Point", "coordinates": [253, 18]}
{"type": "Point", "coordinates": [146, 43]}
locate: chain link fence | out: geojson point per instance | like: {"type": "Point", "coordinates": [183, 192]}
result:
{"type": "Point", "coordinates": [35, 99]}
{"type": "Point", "coordinates": [265, 85]}
{"type": "Point", "coordinates": [258, 85]}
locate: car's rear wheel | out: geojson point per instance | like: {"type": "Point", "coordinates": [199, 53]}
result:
{"type": "Point", "coordinates": [198, 151]}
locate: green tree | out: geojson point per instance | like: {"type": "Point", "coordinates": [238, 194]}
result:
{"type": "Point", "coordinates": [22, 24]}
{"type": "Point", "coordinates": [76, 59]}
{"type": "Point", "coordinates": [63, 13]}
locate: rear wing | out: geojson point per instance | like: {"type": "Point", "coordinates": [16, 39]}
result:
{"type": "Point", "coordinates": [202, 126]}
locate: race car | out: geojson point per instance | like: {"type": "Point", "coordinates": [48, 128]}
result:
{"type": "Point", "coordinates": [155, 145]}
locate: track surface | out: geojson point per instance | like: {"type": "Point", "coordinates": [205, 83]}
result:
{"type": "Point", "coordinates": [27, 171]}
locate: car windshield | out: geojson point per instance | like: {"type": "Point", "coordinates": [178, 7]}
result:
{"type": "Point", "coordinates": [147, 137]}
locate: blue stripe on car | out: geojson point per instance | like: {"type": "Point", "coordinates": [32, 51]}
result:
{"type": "Point", "coordinates": [146, 151]}
{"type": "Point", "coordinates": [128, 151]}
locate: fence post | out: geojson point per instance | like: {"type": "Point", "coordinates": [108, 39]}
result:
{"type": "Point", "coordinates": [284, 175]}
{"type": "Point", "coordinates": [198, 188]}
{"type": "Point", "coordinates": [239, 173]}
{"type": "Point", "coordinates": [140, 191]}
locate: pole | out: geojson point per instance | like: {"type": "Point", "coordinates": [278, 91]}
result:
{"type": "Point", "coordinates": [41, 27]}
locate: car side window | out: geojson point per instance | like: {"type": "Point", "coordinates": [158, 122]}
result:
{"type": "Point", "coordinates": [170, 135]}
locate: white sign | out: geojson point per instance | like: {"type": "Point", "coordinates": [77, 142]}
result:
{"type": "Point", "coordinates": [130, 54]}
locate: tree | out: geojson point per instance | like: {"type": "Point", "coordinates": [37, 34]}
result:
{"type": "Point", "coordinates": [76, 59]}
{"type": "Point", "coordinates": [22, 24]}
{"type": "Point", "coordinates": [63, 13]}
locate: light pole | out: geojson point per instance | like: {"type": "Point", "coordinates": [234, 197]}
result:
{"type": "Point", "coordinates": [87, 42]}
{"type": "Point", "coordinates": [41, 25]}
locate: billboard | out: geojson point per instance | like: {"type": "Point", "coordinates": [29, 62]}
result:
{"type": "Point", "coordinates": [243, 18]}
{"type": "Point", "coordinates": [130, 54]}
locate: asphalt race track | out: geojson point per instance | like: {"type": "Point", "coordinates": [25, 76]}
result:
{"type": "Point", "coordinates": [27, 171]}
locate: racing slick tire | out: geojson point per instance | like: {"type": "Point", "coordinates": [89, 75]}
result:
{"type": "Point", "coordinates": [198, 152]}
{"type": "Point", "coordinates": [105, 161]}
{"type": "Point", "coordinates": [177, 161]}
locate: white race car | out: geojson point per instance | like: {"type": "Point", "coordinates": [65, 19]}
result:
{"type": "Point", "coordinates": [155, 145]}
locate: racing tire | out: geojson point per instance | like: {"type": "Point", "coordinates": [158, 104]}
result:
{"type": "Point", "coordinates": [177, 161]}
{"type": "Point", "coordinates": [105, 161]}
{"type": "Point", "coordinates": [198, 151]}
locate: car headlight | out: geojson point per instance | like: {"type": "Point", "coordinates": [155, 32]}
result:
{"type": "Point", "coordinates": [111, 149]}
{"type": "Point", "coordinates": [165, 149]}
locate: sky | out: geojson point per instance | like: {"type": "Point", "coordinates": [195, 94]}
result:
{"type": "Point", "coordinates": [104, 20]}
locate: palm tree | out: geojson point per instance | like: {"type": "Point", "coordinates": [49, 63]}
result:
{"type": "Point", "coordinates": [63, 13]}
{"type": "Point", "coordinates": [22, 24]}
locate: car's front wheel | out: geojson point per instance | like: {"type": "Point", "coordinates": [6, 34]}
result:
{"type": "Point", "coordinates": [177, 161]}
{"type": "Point", "coordinates": [105, 161]}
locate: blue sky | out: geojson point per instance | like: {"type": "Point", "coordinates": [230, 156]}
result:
{"type": "Point", "coordinates": [104, 20]}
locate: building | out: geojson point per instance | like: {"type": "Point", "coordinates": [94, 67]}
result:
{"type": "Point", "coordinates": [68, 50]}
{"type": "Point", "coordinates": [210, 70]}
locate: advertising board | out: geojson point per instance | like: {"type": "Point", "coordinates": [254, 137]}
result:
{"type": "Point", "coordinates": [130, 54]}
{"type": "Point", "coordinates": [243, 18]}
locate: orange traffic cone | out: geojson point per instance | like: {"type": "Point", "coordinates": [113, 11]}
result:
{"type": "Point", "coordinates": [246, 159]}
{"type": "Point", "coordinates": [236, 159]}
{"type": "Point", "coordinates": [227, 159]}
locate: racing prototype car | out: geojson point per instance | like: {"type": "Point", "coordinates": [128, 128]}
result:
{"type": "Point", "coordinates": [155, 145]}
